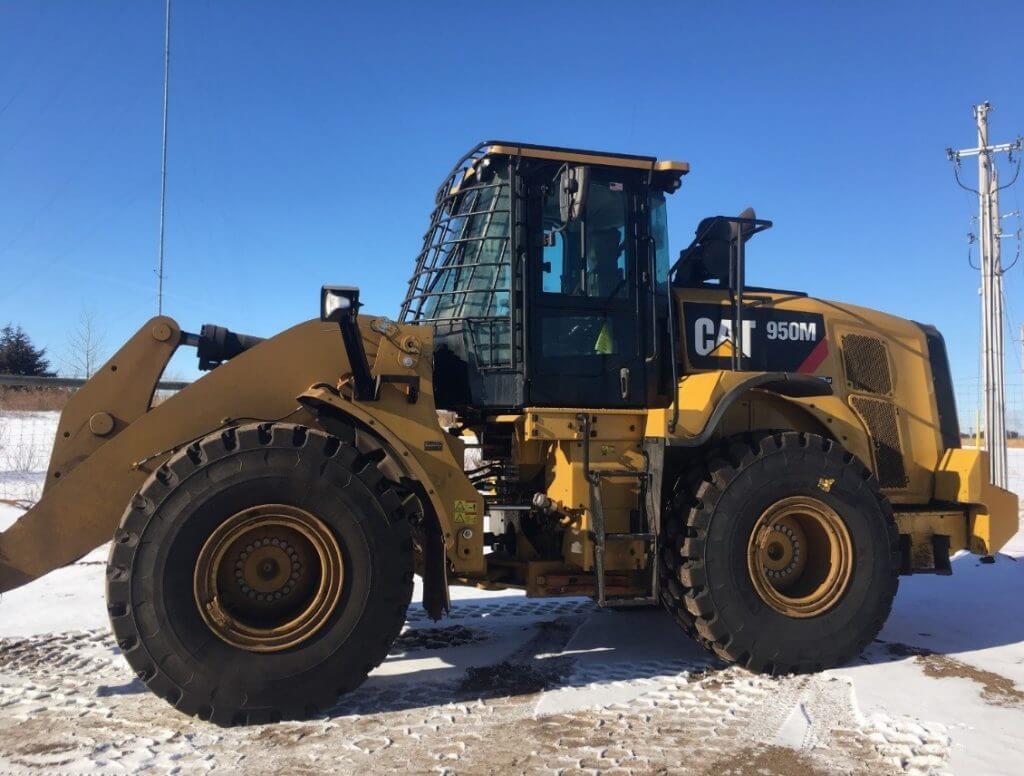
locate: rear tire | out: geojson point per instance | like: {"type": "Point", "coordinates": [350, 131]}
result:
{"type": "Point", "coordinates": [713, 578]}
{"type": "Point", "coordinates": [153, 588]}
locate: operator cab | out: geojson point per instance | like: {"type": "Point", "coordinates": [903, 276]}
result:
{"type": "Point", "coordinates": [544, 272]}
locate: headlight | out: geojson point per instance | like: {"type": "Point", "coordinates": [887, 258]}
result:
{"type": "Point", "coordinates": [338, 301]}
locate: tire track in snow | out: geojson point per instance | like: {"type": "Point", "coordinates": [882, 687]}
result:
{"type": "Point", "coordinates": [70, 703]}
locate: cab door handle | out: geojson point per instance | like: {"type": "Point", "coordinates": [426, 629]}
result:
{"type": "Point", "coordinates": [624, 382]}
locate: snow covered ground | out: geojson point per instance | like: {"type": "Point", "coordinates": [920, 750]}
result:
{"type": "Point", "coordinates": [567, 687]}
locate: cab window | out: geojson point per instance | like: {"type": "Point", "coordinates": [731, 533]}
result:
{"type": "Point", "coordinates": [659, 233]}
{"type": "Point", "coordinates": [587, 258]}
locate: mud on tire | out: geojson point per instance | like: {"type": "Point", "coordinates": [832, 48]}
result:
{"type": "Point", "coordinates": [150, 594]}
{"type": "Point", "coordinates": [706, 583]}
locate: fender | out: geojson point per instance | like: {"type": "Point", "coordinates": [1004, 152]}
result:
{"type": "Point", "coordinates": [425, 453]}
{"type": "Point", "coordinates": [703, 399]}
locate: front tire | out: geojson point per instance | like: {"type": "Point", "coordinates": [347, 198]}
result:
{"type": "Point", "coordinates": [781, 554]}
{"type": "Point", "coordinates": [260, 573]}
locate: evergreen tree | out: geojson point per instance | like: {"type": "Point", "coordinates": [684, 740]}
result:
{"type": "Point", "coordinates": [18, 356]}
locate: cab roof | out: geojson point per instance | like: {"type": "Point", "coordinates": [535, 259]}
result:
{"type": "Point", "coordinates": [582, 156]}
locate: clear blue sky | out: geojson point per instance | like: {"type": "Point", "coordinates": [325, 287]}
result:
{"type": "Point", "coordinates": [307, 140]}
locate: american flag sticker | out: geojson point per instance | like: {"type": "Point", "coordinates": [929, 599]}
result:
{"type": "Point", "coordinates": [615, 186]}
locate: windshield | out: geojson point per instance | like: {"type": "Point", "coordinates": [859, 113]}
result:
{"type": "Point", "coordinates": [462, 273]}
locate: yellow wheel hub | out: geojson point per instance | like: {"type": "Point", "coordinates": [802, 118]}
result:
{"type": "Point", "coordinates": [800, 557]}
{"type": "Point", "coordinates": [268, 578]}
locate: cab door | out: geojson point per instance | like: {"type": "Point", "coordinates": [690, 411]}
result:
{"type": "Point", "coordinates": [585, 304]}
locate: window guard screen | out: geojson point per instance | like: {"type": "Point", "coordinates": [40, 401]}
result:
{"type": "Point", "coordinates": [463, 273]}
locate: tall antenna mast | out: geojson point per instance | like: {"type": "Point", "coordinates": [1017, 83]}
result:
{"type": "Point", "coordinates": [163, 162]}
{"type": "Point", "coordinates": [992, 373]}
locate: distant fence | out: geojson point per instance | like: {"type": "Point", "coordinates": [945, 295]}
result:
{"type": "Point", "coordinates": [26, 381]}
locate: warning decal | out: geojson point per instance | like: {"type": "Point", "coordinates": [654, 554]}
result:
{"type": "Point", "coordinates": [464, 512]}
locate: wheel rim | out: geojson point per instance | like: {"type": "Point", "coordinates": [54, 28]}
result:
{"type": "Point", "coordinates": [268, 578]}
{"type": "Point", "coordinates": [800, 557]}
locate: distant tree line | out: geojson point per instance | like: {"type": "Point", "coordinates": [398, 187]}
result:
{"type": "Point", "coordinates": [18, 356]}
{"type": "Point", "coordinates": [1010, 434]}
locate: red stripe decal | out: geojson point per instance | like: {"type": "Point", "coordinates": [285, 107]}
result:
{"type": "Point", "coordinates": [813, 361]}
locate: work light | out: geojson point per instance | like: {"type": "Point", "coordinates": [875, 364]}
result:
{"type": "Point", "coordinates": [337, 302]}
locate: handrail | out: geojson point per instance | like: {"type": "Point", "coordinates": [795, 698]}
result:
{"type": "Point", "coordinates": [743, 228]}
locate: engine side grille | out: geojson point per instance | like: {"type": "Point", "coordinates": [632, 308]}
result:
{"type": "Point", "coordinates": [867, 367]}
{"type": "Point", "coordinates": [880, 417]}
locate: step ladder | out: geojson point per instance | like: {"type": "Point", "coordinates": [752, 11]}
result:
{"type": "Point", "coordinates": [600, 537]}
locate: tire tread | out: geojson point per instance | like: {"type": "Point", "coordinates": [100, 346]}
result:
{"type": "Point", "coordinates": [688, 514]}
{"type": "Point", "coordinates": [333, 458]}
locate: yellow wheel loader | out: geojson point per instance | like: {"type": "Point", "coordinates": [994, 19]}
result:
{"type": "Point", "coordinates": [560, 408]}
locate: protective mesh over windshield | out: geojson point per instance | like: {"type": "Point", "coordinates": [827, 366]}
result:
{"type": "Point", "coordinates": [462, 277]}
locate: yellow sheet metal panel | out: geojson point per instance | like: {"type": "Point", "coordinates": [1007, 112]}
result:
{"type": "Point", "coordinates": [995, 523]}
{"type": "Point", "coordinates": [962, 477]}
{"type": "Point", "coordinates": [697, 396]}
{"type": "Point", "coordinates": [903, 405]}
{"type": "Point", "coordinates": [564, 423]}
{"type": "Point", "coordinates": [615, 444]}
{"type": "Point", "coordinates": [569, 490]}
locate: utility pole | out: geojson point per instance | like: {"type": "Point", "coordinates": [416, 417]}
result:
{"type": "Point", "coordinates": [163, 162]}
{"type": "Point", "coordinates": [993, 383]}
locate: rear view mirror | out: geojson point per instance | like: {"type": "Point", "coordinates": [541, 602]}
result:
{"type": "Point", "coordinates": [572, 192]}
{"type": "Point", "coordinates": [744, 228]}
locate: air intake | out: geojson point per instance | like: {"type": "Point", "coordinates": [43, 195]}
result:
{"type": "Point", "coordinates": [867, 367]}
{"type": "Point", "coordinates": [880, 418]}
